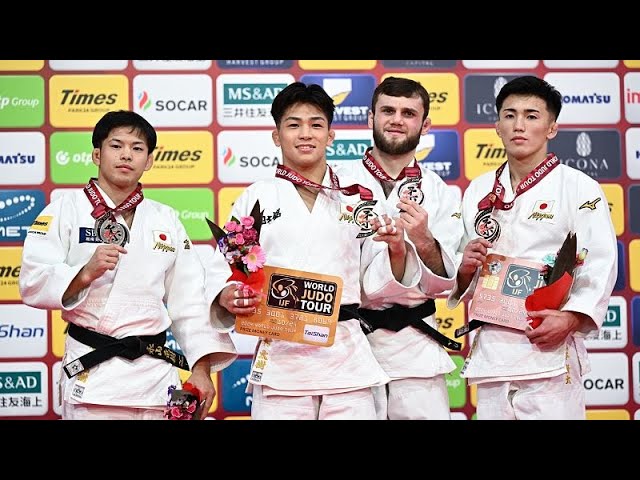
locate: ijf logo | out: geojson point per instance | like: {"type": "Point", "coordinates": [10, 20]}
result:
{"type": "Point", "coordinates": [18, 210]}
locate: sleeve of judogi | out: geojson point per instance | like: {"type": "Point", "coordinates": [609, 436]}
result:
{"type": "Point", "coordinates": [446, 227]}
{"type": "Point", "coordinates": [188, 310]}
{"type": "Point", "coordinates": [44, 273]}
{"type": "Point", "coordinates": [594, 280]}
{"type": "Point", "coordinates": [218, 272]}
{"type": "Point", "coordinates": [468, 212]}
{"type": "Point", "coordinates": [376, 276]}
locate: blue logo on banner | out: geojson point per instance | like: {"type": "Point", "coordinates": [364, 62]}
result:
{"type": "Point", "coordinates": [635, 320]}
{"type": "Point", "coordinates": [18, 210]}
{"type": "Point", "coordinates": [234, 383]}
{"type": "Point", "coordinates": [634, 208]}
{"type": "Point", "coordinates": [620, 282]}
{"type": "Point", "coordinates": [88, 235]}
{"type": "Point", "coordinates": [594, 152]}
{"type": "Point", "coordinates": [259, 64]}
{"type": "Point", "coordinates": [172, 343]}
{"type": "Point", "coordinates": [444, 159]}
{"type": "Point", "coordinates": [351, 95]}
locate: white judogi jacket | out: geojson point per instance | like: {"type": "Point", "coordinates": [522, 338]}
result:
{"type": "Point", "coordinates": [409, 352]}
{"type": "Point", "coordinates": [129, 300]}
{"type": "Point", "coordinates": [318, 242]}
{"type": "Point", "coordinates": [574, 203]}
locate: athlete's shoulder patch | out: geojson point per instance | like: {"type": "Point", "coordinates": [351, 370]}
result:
{"type": "Point", "coordinates": [41, 225]}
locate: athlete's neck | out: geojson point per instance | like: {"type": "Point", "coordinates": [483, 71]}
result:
{"type": "Point", "coordinates": [393, 164]}
{"type": "Point", "coordinates": [519, 168]}
{"type": "Point", "coordinates": [115, 193]}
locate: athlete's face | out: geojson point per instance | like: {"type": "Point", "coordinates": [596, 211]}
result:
{"type": "Point", "coordinates": [303, 135]}
{"type": "Point", "coordinates": [397, 124]}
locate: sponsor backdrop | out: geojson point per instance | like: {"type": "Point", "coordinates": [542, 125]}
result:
{"type": "Point", "coordinates": [214, 138]}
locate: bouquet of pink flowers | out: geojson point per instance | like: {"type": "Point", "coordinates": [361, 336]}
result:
{"type": "Point", "coordinates": [241, 248]}
{"type": "Point", "coordinates": [182, 404]}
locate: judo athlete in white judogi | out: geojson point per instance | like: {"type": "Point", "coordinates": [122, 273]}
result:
{"type": "Point", "coordinates": [122, 270]}
{"type": "Point", "coordinates": [302, 230]}
{"type": "Point", "coordinates": [412, 355]}
{"type": "Point", "coordinates": [525, 210]}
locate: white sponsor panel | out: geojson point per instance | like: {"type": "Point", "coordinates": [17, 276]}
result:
{"type": "Point", "coordinates": [587, 98]}
{"type": "Point", "coordinates": [56, 371]}
{"type": "Point", "coordinates": [631, 97]}
{"type": "Point", "coordinates": [608, 381]}
{"type": "Point", "coordinates": [244, 100]}
{"type": "Point", "coordinates": [174, 100]}
{"type": "Point", "coordinates": [635, 361]}
{"type": "Point", "coordinates": [632, 142]}
{"type": "Point", "coordinates": [580, 63]}
{"type": "Point", "coordinates": [88, 65]}
{"type": "Point", "coordinates": [24, 389]}
{"type": "Point", "coordinates": [23, 331]}
{"type": "Point", "coordinates": [22, 158]}
{"type": "Point", "coordinates": [493, 64]}
{"type": "Point", "coordinates": [246, 156]}
{"type": "Point", "coordinates": [172, 64]}
{"type": "Point", "coordinates": [613, 333]}
{"type": "Point", "coordinates": [56, 193]}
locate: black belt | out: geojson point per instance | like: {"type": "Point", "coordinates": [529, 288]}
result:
{"type": "Point", "coordinates": [398, 317]}
{"type": "Point", "coordinates": [131, 348]}
{"type": "Point", "coordinates": [469, 327]}
{"type": "Point", "coordinates": [350, 311]}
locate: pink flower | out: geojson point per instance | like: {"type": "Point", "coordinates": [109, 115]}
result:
{"type": "Point", "coordinates": [192, 408]}
{"type": "Point", "coordinates": [176, 412]}
{"type": "Point", "coordinates": [247, 222]}
{"type": "Point", "coordinates": [232, 227]}
{"type": "Point", "coordinates": [250, 235]}
{"type": "Point", "coordinates": [255, 258]}
{"type": "Point", "coordinates": [239, 239]}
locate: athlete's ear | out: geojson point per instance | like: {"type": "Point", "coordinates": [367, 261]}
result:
{"type": "Point", "coordinates": [276, 137]}
{"type": "Point", "coordinates": [149, 163]}
{"type": "Point", "coordinates": [332, 136]}
{"type": "Point", "coordinates": [426, 126]}
{"type": "Point", "coordinates": [370, 119]}
{"type": "Point", "coordinates": [95, 156]}
{"type": "Point", "coordinates": [553, 131]}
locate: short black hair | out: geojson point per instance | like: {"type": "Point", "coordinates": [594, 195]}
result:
{"type": "Point", "coordinates": [124, 118]}
{"type": "Point", "coordinates": [401, 87]}
{"type": "Point", "coordinates": [298, 92]}
{"type": "Point", "coordinates": [530, 85]}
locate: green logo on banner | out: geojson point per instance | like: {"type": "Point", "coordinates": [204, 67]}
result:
{"type": "Point", "coordinates": [347, 149]}
{"type": "Point", "coordinates": [192, 205]}
{"type": "Point", "coordinates": [70, 158]}
{"type": "Point", "coordinates": [612, 319]}
{"type": "Point", "coordinates": [456, 385]}
{"type": "Point", "coordinates": [21, 101]}
{"type": "Point", "coordinates": [20, 382]}
{"type": "Point", "coordinates": [251, 93]}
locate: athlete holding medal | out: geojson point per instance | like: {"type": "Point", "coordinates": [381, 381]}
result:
{"type": "Point", "coordinates": [120, 301]}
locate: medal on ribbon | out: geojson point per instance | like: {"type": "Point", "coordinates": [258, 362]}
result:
{"type": "Point", "coordinates": [486, 226]}
{"type": "Point", "coordinates": [106, 227]}
{"type": "Point", "coordinates": [108, 230]}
